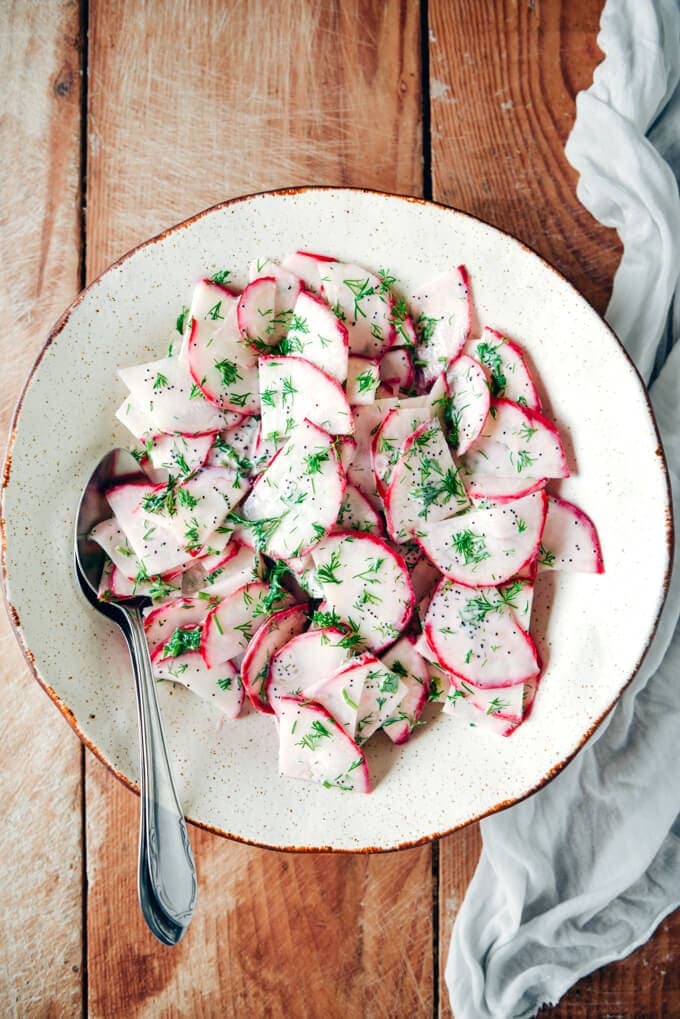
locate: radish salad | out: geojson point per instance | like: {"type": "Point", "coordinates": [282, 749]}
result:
{"type": "Point", "coordinates": [343, 510]}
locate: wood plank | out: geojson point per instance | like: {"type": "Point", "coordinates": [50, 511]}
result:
{"type": "Point", "coordinates": [219, 103]}
{"type": "Point", "coordinates": [40, 757]}
{"type": "Point", "coordinates": [503, 79]}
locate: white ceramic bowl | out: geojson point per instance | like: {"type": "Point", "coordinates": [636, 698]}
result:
{"type": "Point", "coordinates": [592, 631]}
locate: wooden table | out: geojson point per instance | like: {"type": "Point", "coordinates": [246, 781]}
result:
{"type": "Point", "coordinates": [122, 117]}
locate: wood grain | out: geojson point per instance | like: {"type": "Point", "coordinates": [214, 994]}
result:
{"type": "Point", "coordinates": [40, 758]}
{"type": "Point", "coordinates": [503, 78]}
{"type": "Point", "coordinates": [222, 102]}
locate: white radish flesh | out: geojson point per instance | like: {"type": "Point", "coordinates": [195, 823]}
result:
{"type": "Point", "coordinates": [288, 288]}
{"type": "Point", "coordinates": [272, 635]}
{"type": "Point", "coordinates": [220, 686]}
{"type": "Point", "coordinates": [507, 370]}
{"type": "Point", "coordinates": [315, 748]}
{"type": "Point", "coordinates": [183, 454]}
{"type": "Point", "coordinates": [306, 265]}
{"type": "Point", "coordinates": [475, 634]}
{"type": "Point", "coordinates": [569, 540]}
{"type": "Point", "coordinates": [363, 377]}
{"type": "Point", "coordinates": [303, 661]}
{"type": "Point", "coordinates": [367, 420]}
{"type": "Point", "coordinates": [357, 513]}
{"type": "Point", "coordinates": [361, 301]}
{"type": "Point", "coordinates": [364, 580]}
{"type": "Point", "coordinates": [317, 335]}
{"type": "Point", "coordinates": [468, 402]}
{"type": "Point", "coordinates": [193, 510]}
{"type": "Point", "coordinates": [442, 313]}
{"type": "Point", "coordinates": [230, 625]}
{"type": "Point", "coordinates": [486, 546]}
{"type": "Point", "coordinates": [516, 442]}
{"type": "Point", "coordinates": [292, 389]}
{"type": "Point", "coordinates": [256, 314]}
{"type": "Point", "coordinates": [482, 486]}
{"type": "Point", "coordinates": [155, 545]}
{"type": "Point", "coordinates": [240, 566]}
{"type": "Point", "coordinates": [161, 622]}
{"type": "Point", "coordinates": [360, 695]}
{"type": "Point", "coordinates": [396, 371]}
{"type": "Point", "coordinates": [165, 392]}
{"type": "Point", "coordinates": [389, 439]}
{"type": "Point", "coordinates": [222, 365]}
{"type": "Point", "coordinates": [403, 659]}
{"type": "Point", "coordinates": [425, 486]}
{"type": "Point", "coordinates": [297, 499]}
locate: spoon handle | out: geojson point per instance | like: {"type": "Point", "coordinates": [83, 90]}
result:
{"type": "Point", "coordinates": [167, 874]}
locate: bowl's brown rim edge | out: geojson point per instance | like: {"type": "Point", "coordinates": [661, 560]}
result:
{"type": "Point", "coordinates": [68, 713]}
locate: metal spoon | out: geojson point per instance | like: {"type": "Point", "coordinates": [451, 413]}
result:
{"type": "Point", "coordinates": [167, 874]}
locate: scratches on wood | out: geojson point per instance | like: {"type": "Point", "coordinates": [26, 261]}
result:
{"type": "Point", "coordinates": [244, 98]}
{"type": "Point", "coordinates": [40, 787]}
{"type": "Point", "coordinates": [503, 81]}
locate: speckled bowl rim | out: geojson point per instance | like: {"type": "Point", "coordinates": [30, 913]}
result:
{"type": "Point", "coordinates": [68, 713]}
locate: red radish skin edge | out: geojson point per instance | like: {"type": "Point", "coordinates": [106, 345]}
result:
{"type": "Point", "coordinates": [266, 686]}
{"type": "Point", "coordinates": [329, 378]}
{"type": "Point", "coordinates": [322, 304]}
{"type": "Point", "coordinates": [264, 707]}
{"type": "Point", "coordinates": [343, 480]}
{"type": "Point", "coordinates": [411, 598]}
{"type": "Point", "coordinates": [515, 682]}
{"type": "Point", "coordinates": [221, 286]}
{"type": "Point", "coordinates": [207, 622]}
{"type": "Point", "coordinates": [363, 769]}
{"type": "Point", "coordinates": [475, 491]}
{"type": "Point", "coordinates": [520, 354]}
{"type": "Point", "coordinates": [466, 583]}
{"type": "Point", "coordinates": [590, 528]}
{"type": "Point", "coordinates": [535, 415]}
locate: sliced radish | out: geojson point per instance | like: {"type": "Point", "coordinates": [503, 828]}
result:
{"type": "Point", "coordinates": [396, 372]}
{"type": "Point", "coordinates": [346, 447]}
{"type": "Point", "coordinates": [516, 442]}
{"type": "Point", "coordinates": [469, 714]}
{"type": "Point", "coordinates": [405, 331]}
{"type": "Point", "coordinates": [425, 486]}
{"type": "Point", "coordinates": [193, 510]}
{"type": "Point", "coordinates": [363, 377]}
{"type": "Point", "coordinates": [389, 438]}
{"type": "Point", "coordinates": [304, 570]}
{"type": "Point", "coordinates": [161, 622]}
{"type": "Point", "coordinates": [297, 499]}
{"type": "Point", "coordinates": [288, 287]}
{"type": "Point", "coordinates": [569, 541]}
{"type": "Point", "coordinates": [109, 536]}
{"type": "Point", "coordinates": [357, 513]}
{"type": "Point", "coordinates": [222, 365]}
{"type": "Point", "coordinates": [305, 264]}
{"type": "Point", "coordinates": [135, 419]}
{"type": "Point", "coordinates": [315, 748]}
{"type": "Point", "coordinates": [442, 312]}
{"type": "Point", "coordinates": [239, 566]}
{"type": "Point", "coordinates": [468, 402]}
{"type": "Point", "coordinates": [487, 486]}
{"type": "Point", "coordinates": [155, 587]}
{"type": "Point", "coordinates": [272, 635]}
{"type": "Point", "coordinates": [475, 635]}
{"type": "Point", "coordinates": [220, 686]}
{"type": "Point", "coordinates": [505, 703]}
{"type": "Point", "coordinates": [403, 659]}
{"type": "Point", "coordinates": [256, 314]}
{"type": "Point", "coordinates": [303, 661]}
{"type": "Point", "coordinates": [367, 420]}
{"type": "Point", "coordinates": [486, 546]}
{"type": "Point", "coordinates": [154, 544]}
{"type": "Point", "coordinates": [507, 370]}
{"type": "Point", "coordinates": [360, 695]}
{"type": "Point", "coordinates": [236, 444]}
{"type": "Point", "coordinates": [316, 334]}
{"type": "Point", "coordinates": [367, 584]}
{"type": "Point", "coordinates": [292, 389]}
{"type": "Point", "coordinates": [518, 594]}
{"type": "Point", "coordinates": [362, 301]}
{"type": "Point", "coordinates": [165, 391]}
{"type": "Point", "coordinates": [180, 453]}
{"type": "Point", "coordinates": [230, 625]}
